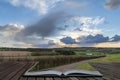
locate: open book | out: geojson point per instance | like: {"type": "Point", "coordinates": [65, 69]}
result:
{"type": "Point", "coordinates": [70, 73]}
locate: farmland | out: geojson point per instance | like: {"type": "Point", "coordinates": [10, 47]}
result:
{"type": "Point", "coordinates": [55, 57]}
{"type": "Point", "coordinates": [47, 58]}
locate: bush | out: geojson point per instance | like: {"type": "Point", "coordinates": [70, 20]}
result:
{"type": "Point", "coordinates": [43, 53]}
{"type": "Point", "coordinates": [65, 52]}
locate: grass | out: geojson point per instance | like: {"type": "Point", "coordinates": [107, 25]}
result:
{"type": "Point", "coordinates": [86, 66]}
{"type": "Point", "coordinates": [108, 58]}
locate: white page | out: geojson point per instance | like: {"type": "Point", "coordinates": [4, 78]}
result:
{"type": "Point", "coordinates": [42, 73]}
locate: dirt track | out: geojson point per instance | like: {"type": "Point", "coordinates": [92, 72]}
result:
{"type": "Point", "coordinates": [69, 66]}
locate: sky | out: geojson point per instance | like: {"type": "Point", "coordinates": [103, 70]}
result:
{"type": "Point", "coordinates": [59, 23]}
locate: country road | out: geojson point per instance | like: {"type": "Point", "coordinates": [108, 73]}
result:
{"type": "Point", "coordinates": [70, 66]}
{"type": "Point", "coordinates": [109, 70]}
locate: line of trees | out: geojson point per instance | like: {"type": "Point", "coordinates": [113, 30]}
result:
{"type": "Point", "coordinates": [66, 49]}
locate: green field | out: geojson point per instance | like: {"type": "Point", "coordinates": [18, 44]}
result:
{"type": "Point", "coordinates": [108, 58]}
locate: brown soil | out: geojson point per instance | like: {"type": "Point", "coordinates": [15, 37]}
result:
{"type": "Point", "coordinates": [110, 71]}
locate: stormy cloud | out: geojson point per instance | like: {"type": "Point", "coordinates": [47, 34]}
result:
{"type": "Point", "coordinates": [46, 26]}
{"type": "Point", "coordinates": [116, 38]}
{"type": "Point", "coordinates": [85, 41]}
{"type": "Point", "coordinates": [99, 38]}
{"type": "Point", "coordinates": [68, 40]}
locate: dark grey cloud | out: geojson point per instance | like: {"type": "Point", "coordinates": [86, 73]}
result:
{"type": "Point", "coordinates": [90, 39]}
{"type": "Point", "coordinates": [46, 26]}
{"type": "Point", "coordinates": [99, 38]}
{"type": "Point", "coordinates": [116, 38]}
{"type": "Point", "coordinates": [113, 4]}
{"type": "Point", "coordinates": [68, 40]}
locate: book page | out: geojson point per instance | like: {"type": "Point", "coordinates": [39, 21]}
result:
{"type": "Point", "coordinates": [43, 73]}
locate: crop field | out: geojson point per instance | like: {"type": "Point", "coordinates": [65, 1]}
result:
{"type": "Point", "coordinates": [49, 62]}
{"type": "Point", "coordinates": [47, 59]}
{"type": "Point", "coordinates": [14, 53]}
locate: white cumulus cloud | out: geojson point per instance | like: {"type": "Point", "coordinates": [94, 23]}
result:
{"type": "Point", "coordinates": [7, 34]}
{"type": "Point", "coordinates": [84, 25]}
{"type": "Point", "coordinates": [10, 30]}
